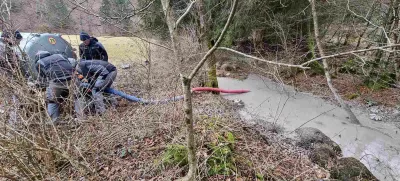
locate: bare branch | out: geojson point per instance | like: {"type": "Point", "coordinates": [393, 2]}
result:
{"type": "Point", "coordinates": [319, 115]}
{"type": "Point", "coordinates": [260, 59]}
{"type": "Point", "coordinates": [325, 64]}
{"type": "Point", "coordinates": [70, 12]}
{"type": "Point", "coordinates": [135, 12]}
{"type": "Point", "coordinates": [184, 14]}
{"type": "Point", "coordinates": [350, 52]}
{"type": "Point", "coordinates": [211, 51]}
{"type": "Point", "coordinates": [74, 2]}
{"type": "Point", "coordinates": [365, 19]}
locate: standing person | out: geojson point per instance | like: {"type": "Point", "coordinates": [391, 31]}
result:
{"type": "Point", "coordinates": [58, 70]}
{"type": "Point", "coordinates": [8, 60]}
{"type": "Point", "coordinates": [100, 75]}
{"type": "Point", "coordinates": [91, 48]}
{"type": "Point", "coordinates": [8, 57]}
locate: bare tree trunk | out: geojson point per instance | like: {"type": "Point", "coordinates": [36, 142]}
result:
{"type": "Point", "coordinates": [206, 44]}
{"type": "Point", "coordinates": [396, 38]}
{"type": "Point", "coordinates": [371, 10]}
{"type": "Point", "coordinates": [169, 15]}
{"type": "Point", "coordinates": [186, 81]}
{"type": "Point", "coordinates": [172, 27]}
{"type": "Point", "coordinates": [352, 117]}
{"type": "Point", "coordinates": [257, 36]}
{"type": "Point", "coordinates": [189, 128]}
{"type": "Point", "coordinates": [384, 38]}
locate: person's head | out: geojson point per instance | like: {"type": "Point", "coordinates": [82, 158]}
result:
{"type": "Point", "coordinates": [18, 37]}
{"type": "Point", "coordinates": [15, 40]}
{"type": "Point", "coordinates": [41, 54]}
{"type": "Point", "coordinates": [85, 38]}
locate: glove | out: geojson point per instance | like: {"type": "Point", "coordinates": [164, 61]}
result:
{"type": "Point", "coordinates": [31, 84]}
{"type": "Point", "coordinates": [34, 84]}
{"type": "Point", "coordinates": [99, 82]}
{"type": "Point", "coordinates": [84, 85]}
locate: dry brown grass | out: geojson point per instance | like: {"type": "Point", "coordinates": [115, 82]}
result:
{"type": "Point", "coordinates": [119, 49]}
{"type": "Point", "coordinates": [350, 87]}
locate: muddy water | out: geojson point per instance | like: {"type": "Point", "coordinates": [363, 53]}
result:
{"type": "Point", "coordinates": [378, 146]}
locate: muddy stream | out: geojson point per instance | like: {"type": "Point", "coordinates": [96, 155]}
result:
{"type": "Point", "coordinates": [377, 148]}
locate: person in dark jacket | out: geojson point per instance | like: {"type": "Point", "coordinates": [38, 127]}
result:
{"type": "Point", "coordinates": [91, 48]}
{"type": "Point", "coordinates": [58, 70]}
{"type": "Point", "coordinates": [8, 57]}
{"type": "Point", "coordinates": [100, 75]}
{"type": "Point", "coordinates": [11, 40]}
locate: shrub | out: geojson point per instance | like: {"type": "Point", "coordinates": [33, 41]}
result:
{"type": "Point", "coordinates": [222, 161]}
{"type": "Point", "coordinates": [175, 155]}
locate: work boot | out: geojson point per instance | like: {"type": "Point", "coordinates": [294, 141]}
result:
{"type": "Point", "coordinates": [98, 100]}
{"type": "Point", "coordinates": [13, 113]}
{"type": "Point", "coordinates": [79, 108]}
{"type": "Point", "coordinates": [53, 111]}
{"type": "Point", "coordinates": [111, 100]}
{"type": "Point", "coordinates": [114, 102]}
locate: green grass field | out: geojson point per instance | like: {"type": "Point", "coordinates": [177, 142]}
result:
{"type": "Point", "coordinates": [119, 49]}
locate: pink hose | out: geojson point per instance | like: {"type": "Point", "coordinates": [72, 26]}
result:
{"type": "Point", "coordinates": [199, 89]}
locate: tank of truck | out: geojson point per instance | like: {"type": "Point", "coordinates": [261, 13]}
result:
{"type": "Point", "coordinates": [31, 43]}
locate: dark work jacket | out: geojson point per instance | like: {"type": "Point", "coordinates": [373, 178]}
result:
{"type": "Point", "coordinates": [55, 68]}
{"type": "Point", "coordinates": [7, 53]}
{"type": "Point", "coordinates": [94, 51]}
{"type": "Point", "coordinates": [91, 69]}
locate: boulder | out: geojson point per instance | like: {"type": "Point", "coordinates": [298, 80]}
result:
{"type": "Point", "coordinates": [221, 74]}
{"type": "Point", "coordinates": [375, 110]}
{"type": "Point", "coordinates": [227, 67]}
{"type": "Point", "coordinates": [310, 137]}
{"type": "Point", "coordinates": [218, 65]}
{"type": "Point", "coordinates": [125, 66]}
{"type": "Point", "coordinates": [351, 169]}
{"type": "Point", "coordinates": [375, 117]}
{"type": "Point", "coordinates": [235, 66]}
{"type": "Point", "coordinates": [323, 155]}
{"type": "Point", "coordinates": [238, 102]}
{"type": "Point", "coordinates": [396, 115]}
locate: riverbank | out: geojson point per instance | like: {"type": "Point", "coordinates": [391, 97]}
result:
{"type": "Point", "coordinates": [377, 148]}
{"type": "Point", "coordinates": [382, 105]}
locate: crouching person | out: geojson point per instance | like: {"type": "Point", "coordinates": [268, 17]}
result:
{"type": "Point", "coordinates": [100, 75]}
{"type": "Point", "coordinates": [58, 70]}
